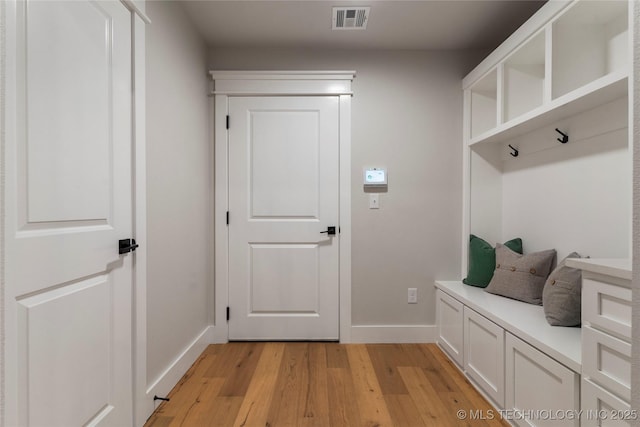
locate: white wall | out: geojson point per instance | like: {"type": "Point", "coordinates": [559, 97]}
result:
{"type": "Point", "coordinates": [407, 116]}
{"type": "Point", "coordinates": [179, 193]}
{"type": "Point", "coordinates": [574, 196]}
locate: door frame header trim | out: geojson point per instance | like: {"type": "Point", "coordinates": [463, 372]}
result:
{"type": "Point", "coordinates": [273, 83]}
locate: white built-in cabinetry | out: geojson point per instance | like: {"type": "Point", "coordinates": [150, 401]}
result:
{"type": "Point", "coordinates": [450, 325]}
{"type": "Point", "coordinates": [484, 354]}
{"type": "Point", "coordinates": [565, 71]}
{"type": "Point", "coordinates": [527, 368]}
{"type": "Point", "coordinates": [606, 342]}
{"type": "Point", "coordinates": [567, 68]}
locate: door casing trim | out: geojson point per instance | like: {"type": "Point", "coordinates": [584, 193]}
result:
{"type": "Point", "coordinates": [278, 83]}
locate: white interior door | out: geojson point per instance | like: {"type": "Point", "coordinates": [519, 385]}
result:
{"type": "Point", "coordinates": [67, 308]}
{"type": "Point", "coordinates": [283, 193]}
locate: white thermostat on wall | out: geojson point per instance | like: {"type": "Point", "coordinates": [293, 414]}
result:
{"type": "Point", "coordinates": [375, 177]}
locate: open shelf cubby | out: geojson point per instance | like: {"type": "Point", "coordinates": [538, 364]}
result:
{"type": "Point", "coordinates": [484, 104]}
{"type": "Point", "coordinates": [565, 73]}
{"type": "Point", "coordinates": [524, 78]}
{"type": "Point", "coordinates": [590, 41]}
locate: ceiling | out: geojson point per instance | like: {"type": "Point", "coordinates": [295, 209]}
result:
{"type": "Point", "coordinates": [393, 24]}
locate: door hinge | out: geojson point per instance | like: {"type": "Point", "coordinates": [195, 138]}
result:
{"type": "Point", "coordinates": [227, 121]}
{"type": "Point", "coordinates": [228, 313]}
{"type": "Point", "coordinates": [227, 217]}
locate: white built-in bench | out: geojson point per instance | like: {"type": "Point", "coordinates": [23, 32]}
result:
{"type": "Point", "coordinates": [509, 351]}
{"type": "Point", "coordinates": [526, 321]}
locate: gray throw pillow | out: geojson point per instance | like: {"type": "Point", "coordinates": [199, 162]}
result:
{"type": "Point", "coordinates": [519, 276]}
{"type": "Point", "coordinates": [561, 297]}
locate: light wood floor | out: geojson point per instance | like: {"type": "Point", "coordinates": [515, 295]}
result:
{"type": "Point", "coordinates": [323, 385]}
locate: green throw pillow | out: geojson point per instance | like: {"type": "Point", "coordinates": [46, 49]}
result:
{"type": "Point", "coordinates": [482, 260]}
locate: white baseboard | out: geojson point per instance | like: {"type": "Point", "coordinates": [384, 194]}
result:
{"type": "Point", "coordinates": [393, 334]}
{"type": "Point", "coordinates": [170, 377]}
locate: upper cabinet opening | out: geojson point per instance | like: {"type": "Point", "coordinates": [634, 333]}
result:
{"type": "Point", "coordinates": [567, 59]}
{"type": "Point", "coordinates": [524, 78]}
{"type": "Point", "coordinates": [589, 42]}
{"type": "Point", "coordinates": [484, 104]}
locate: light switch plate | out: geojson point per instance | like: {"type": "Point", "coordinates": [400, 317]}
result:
{"type": "Point", "coordinates": [374, 201]}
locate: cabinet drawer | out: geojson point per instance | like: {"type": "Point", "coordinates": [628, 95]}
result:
{"type": "Point", "coordinates": [450, 326]}
{"type": "Point", "coordinates": [536, 382]}
{"type": "Point", "coordinates": [484, 354]}
{"type": "Point", "coordinates": [606, 361]}
{"type": "Point", "coordinates": [602, 409]}
{"type": "Point", "coordinates": [607, 306]}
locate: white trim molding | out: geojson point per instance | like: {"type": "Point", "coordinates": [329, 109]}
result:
{"type": "Point", "coordinates": [137, 6]}
{"type": "Point", "coordinates": [532, 25]}
{"type": "Point", "coordinates": [170, 377]}
{"type": "Point", "coordinates": [277, 83]}
{"type": "Point", "coordinates": [371, 334]}
{"type": "Point", "coordinates": [282, 82]}
{"type": "Point", "coordinates": [3, 65]}
{"type": "Point", "coordinates": [142, 405]}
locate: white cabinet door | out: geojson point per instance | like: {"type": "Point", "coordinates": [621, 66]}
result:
{"type": "Point", "coordinates": [602, 409]}
{"type": "Point", "coordinates": [606, 360]}
{"type": "Point", "coordinates": [484, 354]}
{"type": "Point", "coordinates": [67, 306]}
{"type": "Point", "coordinates": [537, 384]}
{"type": "Point", "coordinates": [449, 313]}
{"type": "Point", "coordinates": [607, 306]}
{"type": "Point", "coordinates": [283, 196]}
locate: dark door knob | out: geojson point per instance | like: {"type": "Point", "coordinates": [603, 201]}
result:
{"type": "Point", "coordinates": [331, 231]}
{"type": "Point", "coordinates": [127, 245]}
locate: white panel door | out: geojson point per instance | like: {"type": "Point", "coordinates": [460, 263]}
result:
{"type": "Point", "coordinates": [283, 192]}
{"type": "Point", "coordinates": [68, 202]}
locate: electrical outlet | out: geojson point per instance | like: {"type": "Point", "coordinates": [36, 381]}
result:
{"type": "Point", "coordinates": [412, 296]}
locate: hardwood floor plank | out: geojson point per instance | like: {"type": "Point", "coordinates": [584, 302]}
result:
{"type": "Point", "coordinates": [424, 358]}
{"type": "Point", "coordinates": [222, 412]}
{"type": "Point", "coordinates": [343, 411]}
{"type": "Point", "coordinates": [158, 421]}
{"type": "Point", "coordinates": [474, 417]}
{"type": "Point", "coordinates": [474, 400]}
{"type": "Point", "coordinates": [316, 402]}
{"type": "Point", "coordinates": [337, 355]}
{"type": "Point", "coordinates": [239, 376]}
{"type": "Point", "coordinates": [462, 383]}
{"type": "Point", "coordinates": [194, 398]}
{"type": "Point", "coordinates": [287, 406]}
{"type": "Point", "coordinates": [228, 355]}
{"type": "Point", "coordinates": [323, 385]}
{"type": "Point", "coordinates": [431, 408]}
{"type": "Point", "coordinates": [403, 410]}
{"type": "Point", "coordinates": [202, 364]}
{"type": "Point", "coordinates": [255, 406]}
{"type": "Point", "coordinates": [385, 359]}
{"type": "Point", "coordinates": [373, 409]}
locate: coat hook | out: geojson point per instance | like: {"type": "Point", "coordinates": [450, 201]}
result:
{"type": "Point", "coordinates": [565, 137]}
{"type": "Point", "coordinates": [515, 151]}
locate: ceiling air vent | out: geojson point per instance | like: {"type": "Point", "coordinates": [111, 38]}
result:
{"type": "Point", "coordinates": [350, 18]}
